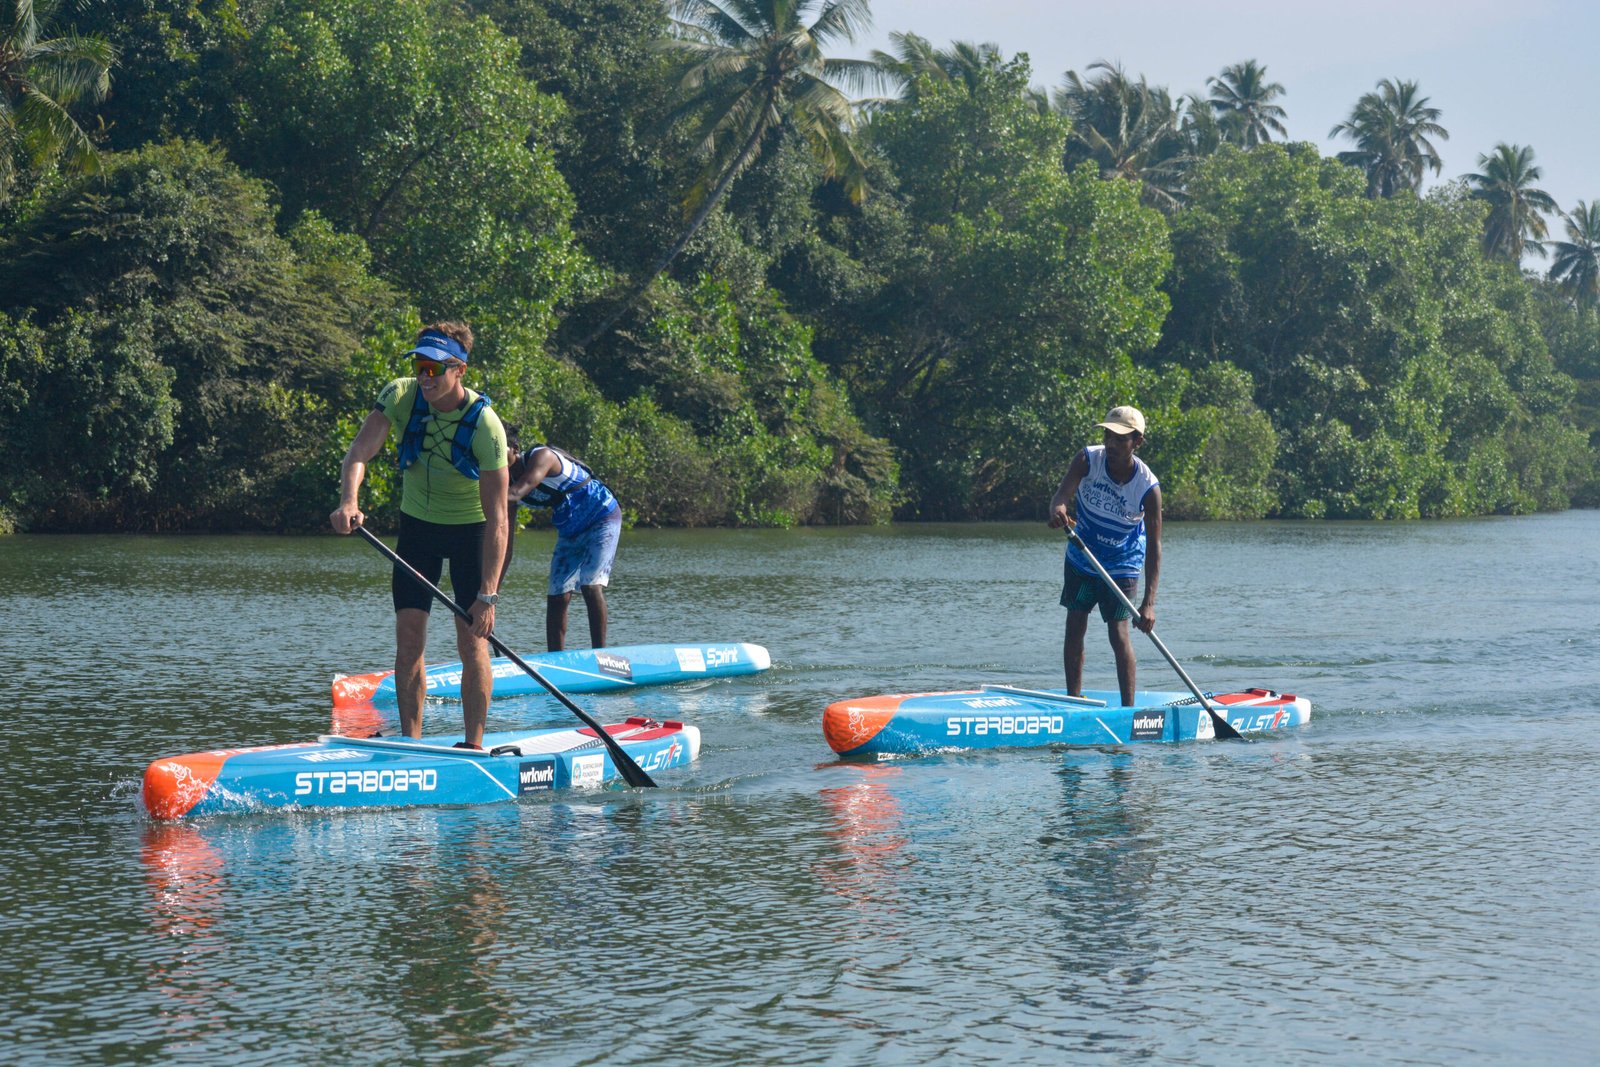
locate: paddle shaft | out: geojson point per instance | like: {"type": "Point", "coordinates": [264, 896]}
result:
{"type": "Point", "coordinates": [631, 772]}
{"type": "Point", "coordinates": [1224, 728]}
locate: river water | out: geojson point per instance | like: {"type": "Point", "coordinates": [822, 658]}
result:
{"type": "Point", "coordinates": [1413, 878]}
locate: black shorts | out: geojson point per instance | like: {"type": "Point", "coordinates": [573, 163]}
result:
{"type": "Point", "coordinates": [426, 545]}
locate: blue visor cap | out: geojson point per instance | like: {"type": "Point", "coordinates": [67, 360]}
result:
{"type": "Point", "coordinates": [438, 347]}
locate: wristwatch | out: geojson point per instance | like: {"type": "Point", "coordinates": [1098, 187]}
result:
{"type": "Point", "coordinates": [490, 599]}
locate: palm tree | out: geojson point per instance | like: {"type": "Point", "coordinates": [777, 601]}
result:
{"type": "Point", "coordinates": [1038, 99]}
{"type": "Point", "coordinates": [1242, 99]}
{"type": "Point", "coordinates": [1129, 129]}
{"type": "Point", "coordinates": [749, 68]}
{"type": "Point", "coordinates": [1199, 129]}
{"type": "Point", "coordinates": [1391, 128]}
{"type": "Point", "coordinates": [40, 78]}
{"type": "Point", "coordinates": [915, 57]}
{"type": "Point", "coordinates": [1516, 209]}
{"type": "Point", "coordinates": [1577, 262]}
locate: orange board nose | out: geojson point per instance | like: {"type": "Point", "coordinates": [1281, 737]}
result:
{"type": "Point", "coordinates": [849, 724]}
{"type": "Point", "coordinates": [356, 688]}
{"type": "Point", "coordinates": [175, 785]}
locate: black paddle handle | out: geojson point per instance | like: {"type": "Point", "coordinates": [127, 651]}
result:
{"type": "Point", "coordinates": [631, 772]}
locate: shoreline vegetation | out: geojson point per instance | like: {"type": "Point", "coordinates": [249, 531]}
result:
{"type": "Point", "coordinates": [751, 278]}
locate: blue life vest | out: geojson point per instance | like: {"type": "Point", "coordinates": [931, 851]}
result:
{"type": "Point", "coordinates": [461, 456]}
{"type": "Point", "coordinates": [577, 501]}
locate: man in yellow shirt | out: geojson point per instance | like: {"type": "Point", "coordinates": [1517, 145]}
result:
{"type": "Point", "coordinates": [453, 502]}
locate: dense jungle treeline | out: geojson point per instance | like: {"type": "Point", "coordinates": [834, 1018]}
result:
{"type": "Point", "coordinates": [750, 280]}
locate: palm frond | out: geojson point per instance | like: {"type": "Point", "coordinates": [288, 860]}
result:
{"type": "Point", "coordinates": [716, 23]}
{"type": "Point", "coordinates": [47, 131]}
{"type": "Point", "coordinates": [856, 75]}
{"type": "Point", "coordinates": [842, 20]}
{"type": "Point", "coordinates": [1575, 264]}
{"type": "Point", "coordinates": [76, 71]}
{"type": "Point", "coordinates": [822, 98]}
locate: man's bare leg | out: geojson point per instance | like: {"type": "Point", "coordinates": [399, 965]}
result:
{"type": "Point", "coordinates": [594, 602]}
{"type": "Point", "coordinates": [410, 644]}
{"type": "Point", "coordinates": [477, 682]}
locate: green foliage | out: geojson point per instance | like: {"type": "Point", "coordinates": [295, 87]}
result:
{"type": "Point", "coordinates": [600, 57]}
{"type": "Point", "coordinates": [409, 125]}
{"type": "Point", "coordinates": [175, 66]}
{"type": "Point", "coordinates": [182, 354]}
{"type": "Point", "coordinates": [1391, 128]}
{"type": "Point", "coordinates": [662, 473]}
{"type": "Point", "coordinates": [1551, 462]}
{"type": "Point", "coordinates": [1241, 99]}
{"type": "Point", "coordinates": [1516, 207]}
{"type": "Point", "coordinates": [1576, 261]}
{"type": "Point", "coordinates": [1005, 295]}
{"type": "Point", "coordinates": [1221, 464]}
{"type": "Point", "coordinates": [745, 75]}
{"type": "Point", "coordinates": [1397, 364]}
{"type": "Point", "coordinates": [1573, 335]}
{"type": "Point", "coordinates": [747, 66]}
{"type": "Point", "coordinates": [42, 75]}
{"type": "Point", "coordinates": [957, 146]}
{"type": "Point", "coordinates": [95, 409]}
{"type": "Point", "coordinates": [167, 269]}
{"type": "Point", "coordinates": [1130, 130]}
{"type": "Point", "coordinates": [861, 479]}
{"type": "Point", "coordinates": [776, 443]}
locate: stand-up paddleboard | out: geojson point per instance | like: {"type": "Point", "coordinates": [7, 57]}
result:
{"type": "Point", "coordinates": [349, 772]}
{"type": "Point", "coordinates": [999, 716]}
{"type": "Point", "coordinates": [578, 670]}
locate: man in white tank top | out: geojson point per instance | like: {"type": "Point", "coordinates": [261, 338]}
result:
{"type": "Point", "coordinates": [1113, 501]}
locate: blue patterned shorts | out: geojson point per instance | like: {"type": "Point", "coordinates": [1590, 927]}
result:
{"type": "Point", "coordinates": [585, 558]}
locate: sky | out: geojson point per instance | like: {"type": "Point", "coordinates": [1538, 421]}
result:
{"type": "Point", "coordinates": [1524, 72]}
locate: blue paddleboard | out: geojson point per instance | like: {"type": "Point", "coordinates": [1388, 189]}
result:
{"type": "Point", "coordinates": [578, 670]}
{"type": "Point", "coordinates": [349, 772]}
{"type": "Point", "coordinates": [1001, 716]}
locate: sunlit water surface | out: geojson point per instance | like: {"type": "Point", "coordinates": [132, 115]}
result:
{"type": "Point", "coordinates": [1413, 878]}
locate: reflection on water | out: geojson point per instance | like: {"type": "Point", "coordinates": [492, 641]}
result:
{"type": "Point", "coordinates": [185, 878]}
{"type": "Point", "coordinates": [362, 720]}
{"type": "Point", "coordinates": [456, 922]}
{"type": "Point", "coordinates": [869, 863]}
{"type": "Point", "coordinates": [1103, 852]}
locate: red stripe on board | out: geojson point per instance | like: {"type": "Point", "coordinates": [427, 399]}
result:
{"type": "Point", "coordinates": [1255, 698]}
{"type": "Point", "coordinates": [638, 729]}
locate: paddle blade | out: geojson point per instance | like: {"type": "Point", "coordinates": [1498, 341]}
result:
{"type": "Point", "coordinates": [1225, 730]}
{"type": "Point", "coordinates": [631, 772]}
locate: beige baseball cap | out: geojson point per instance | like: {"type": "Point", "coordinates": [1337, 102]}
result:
{"type": "Point", "coordinates": [1124, 420]}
